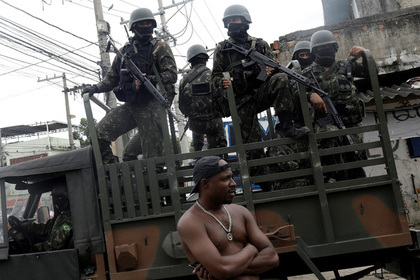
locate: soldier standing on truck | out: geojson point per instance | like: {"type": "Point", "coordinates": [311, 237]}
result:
{"type": "Point", "coordinates": [252, 96]}
{"type": "Point", "coordinates": [335, 77]}
{"type": "Point", "coordinates": [197, 101]}
{"type": "Point", "coordinates": [155, 59]}
{"type": "Point", "coordinates": [221, 239]}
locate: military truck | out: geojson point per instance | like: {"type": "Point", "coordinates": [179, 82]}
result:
{"type": "Point", "coordinates": [124, 215]}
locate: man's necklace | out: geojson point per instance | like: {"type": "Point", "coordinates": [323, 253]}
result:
{"type": "Point", "coordinates": [228, 234]}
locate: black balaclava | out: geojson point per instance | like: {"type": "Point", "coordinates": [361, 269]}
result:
{"type": "Point", "coordinates": [237, 31]}
{"type": "Point", "coordinates": [61, 203]}
{"type": "Point", "coordinates": [143, 34]}
{"type": "Point", "coordinates": [325, 57]}
{"type": "Point", "coordinates": [304, 61]}
{"type": "Point", "coordinates": [199, 59]}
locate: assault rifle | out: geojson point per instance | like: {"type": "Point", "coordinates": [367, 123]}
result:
{"type": "Point", "coordinates": [138, 75]}
{"type": "Point", "coordinates": [332, 116]}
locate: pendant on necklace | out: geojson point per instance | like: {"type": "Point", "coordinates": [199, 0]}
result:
{"type": "Point", "coordinates": [229, 236]}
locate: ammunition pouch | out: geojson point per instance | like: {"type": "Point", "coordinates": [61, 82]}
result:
{"type": "Point", "coordinates": [126, 89]}
{"type": "Point", "coordinates": [351, 111]}
{"type": "Point", "coordinates": [348, 105]}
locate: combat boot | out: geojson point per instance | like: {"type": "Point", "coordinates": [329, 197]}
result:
{"type": "Point", "coordinates": [287, 128]}
{"type": "Point", "coordinates": [290, 130]}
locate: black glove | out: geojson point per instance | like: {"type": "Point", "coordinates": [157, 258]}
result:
{"type": "Point", "coordinates": [90, 89]}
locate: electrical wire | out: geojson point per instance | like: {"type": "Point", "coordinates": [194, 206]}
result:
{"type": "Point", "coordinates": [52, 25]}
{"type": "Point", "coordinates": [45, 39]}
{"type": "Point", "coordinates": [43, 52]}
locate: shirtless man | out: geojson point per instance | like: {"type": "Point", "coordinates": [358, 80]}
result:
{"type": "Point", "coordinates": [223, 238]}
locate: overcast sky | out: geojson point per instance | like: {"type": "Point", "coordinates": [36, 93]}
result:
{"type": "Point", "coordinates": [30, 95]}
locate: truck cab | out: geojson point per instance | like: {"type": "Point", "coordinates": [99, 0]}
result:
{"type": "Point", "coordinates": [76, 171]}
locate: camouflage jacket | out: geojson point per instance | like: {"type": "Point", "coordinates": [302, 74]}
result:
{"type": "Point", "coordinates": [196, 98]}
{"type": "Point", "coordinates": [57, 232]}
{"type": "Point", "coordinates": [162, 58]}
{"type": "Point", "coordinates": [338, 82]}
{"type": "Point", "coordinates": [244, 80]}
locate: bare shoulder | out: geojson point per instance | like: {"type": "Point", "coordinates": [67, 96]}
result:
{"type": "Point", "coordinates": [188, 220]}
{"type": "Point", "coordinates": [239, 209]}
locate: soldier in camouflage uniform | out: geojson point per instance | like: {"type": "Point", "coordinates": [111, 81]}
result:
{"type": "Point", "coordinates": [198, 103]}
{"type": "Point", "coordinates": [57, 232]}
{"type": "Point", "coordinates": [155, 59]}
{"type": "Point", "coordinates": [251, 95]}
{"type": "Point", "coordinates": [301, 58]}
{"type": "Point", "coordinates": [336, 79]}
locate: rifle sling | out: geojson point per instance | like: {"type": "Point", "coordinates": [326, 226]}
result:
{"type": "Point", "coordinates": [239, 62]}
{"type": "Point", "coordinates": [194, 75]}
{"type": "Point", "coordinates": [329, 72]}
{"type": "Point", "coordinates": [159, 81]}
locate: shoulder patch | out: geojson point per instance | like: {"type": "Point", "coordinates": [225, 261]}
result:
{"type": "Point", "coordinates": [66, 227]}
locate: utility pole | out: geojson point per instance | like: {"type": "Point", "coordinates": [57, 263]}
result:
{"type": "Point", "coordinates": [1, 151]}
{"type": "Point", "coordinates": [69, 128]}
{"type": "Point", "coordinates": [185, 148]}
{"type": "Point", "coordinates": [103, 30]}
{"type": "Point", "coordinates": [163, 21]}
{"type": "Point", "coordinates": [68, 115]}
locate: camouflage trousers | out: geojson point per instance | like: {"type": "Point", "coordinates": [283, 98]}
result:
{"type": "Point", "coordinates": [287, 166]}
{"type": "Point", "coordinates": [212, 128]}
{"type": "Point", "coordinates": [335, 159]}
{"type": "Point", "coordinates": [147, 117]}
{"type": "Point", "coordinates": [275, 92]}
{"type": "Point", "coordinates": [133, 148]}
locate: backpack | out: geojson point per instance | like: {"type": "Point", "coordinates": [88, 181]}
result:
{"type": "Point", "coordinates": [197, 99]}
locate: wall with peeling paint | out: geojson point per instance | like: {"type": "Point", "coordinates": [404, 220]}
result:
{"type": "Point", "coordinates": [408, 168]}
{"type": "Point", "coordinates": [393, 39]}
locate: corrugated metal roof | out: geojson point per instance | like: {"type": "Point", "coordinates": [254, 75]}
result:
{"type": "Point", "coordinates": [412, 86]}
{"type": "Point", "coordinates": [16, 130]}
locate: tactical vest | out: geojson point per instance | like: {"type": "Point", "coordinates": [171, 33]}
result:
{"type": "Point", "coordinates": [142, 56]}
{"type": "Point", "coordinates": [338, 83]}
{"type": "Point", "coordinates": [245, 78]}
{"type": "Point", "coordinates": [197, 98]}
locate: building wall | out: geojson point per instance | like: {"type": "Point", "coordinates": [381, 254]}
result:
{"type": "Point", "coordinates": [392, 38]}
{"type": "Point", "coordinates": [374, 7]}
{"type": "Point", "coordinates": [336, 11]}
{"type": "Point", "coordinates": [26, 150]}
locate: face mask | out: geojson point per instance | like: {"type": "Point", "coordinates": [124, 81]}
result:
{"type": "Point", "coordinates": [237, 31]}
{"type": "Point", "coordinates": [325, 57]}
{"type": "Point", "coordinates": [304, 61]}
{"type": "Point", "coordinates": [143, 34]}
{"type": "Point", "coordinates": [61, 203]}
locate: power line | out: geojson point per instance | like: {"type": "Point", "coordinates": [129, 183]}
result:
{"type": "Point", "coordinates": [43, 38]}
{"type": "Point", "coordinates": [43, 52]}
{"type": "Point", "coordinates": [214, 20]}
{"type": "Point", "coordinates": [52, 25]}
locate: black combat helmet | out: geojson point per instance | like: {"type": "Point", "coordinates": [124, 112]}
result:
{"type": "Point", "coordinates": [322, 38]}
{"type": "Point", "coordinates": [195, 50]}
{"type": "Point", "coordinates": [139, 15]}
{"type": "Point", "coordinates": [236, 11]}
{"type": "Point", "coordinates": [301, 46]}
